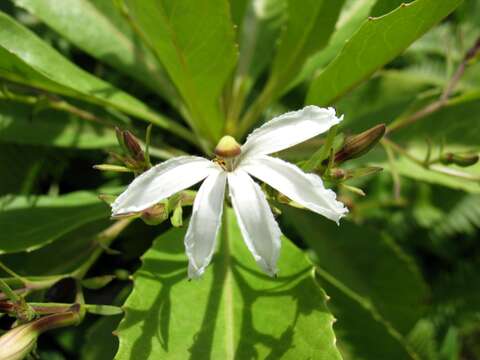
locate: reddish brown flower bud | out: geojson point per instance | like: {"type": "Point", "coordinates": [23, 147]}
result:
{"type": "Point", "coordinates": [358, 145]}
{"type": "Point", "coordinates": [463, 160]}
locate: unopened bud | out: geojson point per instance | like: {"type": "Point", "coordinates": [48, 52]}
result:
{"type": "Point", "coordinates": [227, 147]}
{"type": "Point", "coordinates": [463, 160]}
{"type": "Point", "coordinates": [17, 343]}
{"type": "Point", "coordinates": [133, 147]}
{"type": "Point", "coordinates": [358, 145]}
{"type": "Point", "coordinates": [155, 215]}
{"type": "Point", "coordinates": [120, 139]}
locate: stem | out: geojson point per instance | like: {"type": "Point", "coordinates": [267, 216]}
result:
{"type": "Point", "coordinates": [397, 185]}
{"type": "Point", "coordinates": [55, 103]}
{"type": "Point", "coordinates": [444, 97]}
{"type": "Point", "coordinates": [431, 165]}
{"type": "Point", "coordinates": [7, 290]}
{"type": "Point", "coordinates": [321, 154]}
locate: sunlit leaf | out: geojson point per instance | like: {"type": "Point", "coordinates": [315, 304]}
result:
{"type": "Point", "coordinates": [233, 311]}
{"type": "Point", "coordinates": [376, 43]}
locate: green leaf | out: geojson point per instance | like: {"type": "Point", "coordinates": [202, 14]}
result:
{"type": "Point", "coordinates": [195, 42]}
{"type": "Point", "coordinates": [19, 125]}
{"type": "Point", "coordinates": [440, 128]}
{"type": "Point", "coordinates": [383, 7]}
{"type": "Point", "coordinates": [353, 15]}
{"type": "Point", "coordinates": [98, 28]}
{"type": "Point", "coordinates": [375, 277]}
{"type": "Point", "coordinates": [410, 169]}
{"type": "Point", "coordinates": [27, 59]}
{"type": "Point", "coordinates": [308, 30]}
{"type": "Point", "coordinates": [233, 311]}
{"type": "Point", "coordinates": [261, 27]}
{"type": "Point", "coordinates": [377, 42]}
{"type": "Point", "coordinates": [74, 248]}
{"type": "Point", "coordinates": [22, 165]}
{"type": "Point", "coordinates": [29, 223]}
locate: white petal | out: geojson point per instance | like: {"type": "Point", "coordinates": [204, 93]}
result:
{"type": "Point", "coordinates": [306, 189]}
{"type": "Point", "coordinates": [205, 223]}
{"type": "Point", "coordinates": [162, 181]}
{"type": "Point", "coordinates": [289, 129]}
{"type": "Point", "coordinates": [259, 229]}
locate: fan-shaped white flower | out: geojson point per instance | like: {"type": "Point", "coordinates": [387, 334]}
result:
{"type": "Point", "coordinates": [257, 224]}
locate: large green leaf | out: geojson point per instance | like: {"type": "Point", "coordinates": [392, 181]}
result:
{"type": "Point", "coordinates": [98, 28]}
{"type": "Point", "coordinates": [31, 222]}
{"type": "Point", "coordinates": [27, 59]}
{"type": "Point", "coordinates": [233, 311]}
{"type": "Point", "coordinates": [383, 280]}
{"type": "Point", "coordinates": [353, 15]}
{"type": "Point", "coordinates": [376, 43]}
{"type": "Point", "coordinates": [74, 248]}
{"type": "Point", "coordinates": [196, 43]}
{"type": "Point", "coordinates": [19, 125]}
{"type": "Point", "coordinates": [308, 29]}
{"type": "Point", "coordinates": [438, 174]}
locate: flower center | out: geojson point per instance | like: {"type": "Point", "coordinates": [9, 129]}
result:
{"type": "Point", "coordinates": [227, 151]}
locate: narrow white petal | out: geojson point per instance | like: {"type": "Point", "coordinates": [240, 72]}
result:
{"type": "Point", "coordinates": [306, 189]}
{"type": "Point", "coordinates": [259, 229]}
{"type": "Point", "coordinates": [289, 129]}
{"type": "Point", "coordinates": [162, 181]}
{"type": "Point", "coordinates": [205, 223]}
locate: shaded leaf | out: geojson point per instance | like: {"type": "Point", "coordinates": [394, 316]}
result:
{"type": "Point", "coordinates": [233, 311]}
{"type": "Point", "coordinates": [19, 125]}
{"type": "Point", "coordinates": [66, 253]}
{"type": "Point", "coordinates": [22, 164]}
{"type": "Point", "coordinates": [377, 42]}
{"type": "Point", "coordinates": [29, 223]}
{"type": "Point", "coordinates": [388, 291]}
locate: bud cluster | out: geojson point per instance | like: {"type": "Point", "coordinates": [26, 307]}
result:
{"type": "Point", "coordinates": [133, 158]}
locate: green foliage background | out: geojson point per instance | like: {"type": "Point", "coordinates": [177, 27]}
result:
{"type": "Point", "coordinates": [398, 279]}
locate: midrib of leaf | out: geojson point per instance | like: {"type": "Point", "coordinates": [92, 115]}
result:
{"type": "Point", "coordinates": [183, 63]}
{"type": "Point", "coordinates": [228, 296]}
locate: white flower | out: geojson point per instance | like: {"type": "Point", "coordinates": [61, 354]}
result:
{"type": "Point", "coordinates": [259, 229]}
